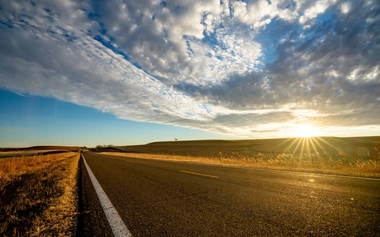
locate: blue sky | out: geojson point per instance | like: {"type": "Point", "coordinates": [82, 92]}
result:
{"type": "Point", "coordinates": [142, 71]}
{"type": "Point", "coordinates": [34, 120]}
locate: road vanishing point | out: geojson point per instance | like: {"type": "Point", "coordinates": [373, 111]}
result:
{"type": "Point", "coordinates": [163, 198]}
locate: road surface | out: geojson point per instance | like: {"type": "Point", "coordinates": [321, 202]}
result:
{"type": "Point", "coordinates": [161, 198]}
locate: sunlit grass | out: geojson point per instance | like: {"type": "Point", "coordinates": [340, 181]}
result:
{"type": "Point", "coordinates": [306, 159]}
{"type": "Point", "coordinates": [37, 195]}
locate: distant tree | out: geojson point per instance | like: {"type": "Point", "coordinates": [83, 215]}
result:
{"type": "Point", "coordinates": [176, 139]}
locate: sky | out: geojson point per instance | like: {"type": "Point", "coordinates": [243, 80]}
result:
{"type": "Point", "coordinates": [131, 72]}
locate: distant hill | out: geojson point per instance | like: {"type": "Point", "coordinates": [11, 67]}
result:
{"type": "Point", "coordinates": [351, 146]}
{"type": "Point", "coordinates": [34, 148]}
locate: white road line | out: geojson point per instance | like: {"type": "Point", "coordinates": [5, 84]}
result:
{"type": "Point", "coordinates": [118, 227]}
{"type": "Point", "coordinates": [194, 173]}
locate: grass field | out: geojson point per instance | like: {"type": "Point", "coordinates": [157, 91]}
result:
{"type": "Point", "coordinates": [331, 146]}
{"type": "Point", "coordinates": [343, 156]}
{"type": "Point", "coordinates": [38, 195]}
{"type": "Point", "coordinates": [42, 148]}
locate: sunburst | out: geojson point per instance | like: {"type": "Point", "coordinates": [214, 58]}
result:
{"type": "Point", "coordinates": [306, 130]}
{"type": "Point", "coordinates": [305, 141]}
{"type": "Point", "coordinates": [308, 146]}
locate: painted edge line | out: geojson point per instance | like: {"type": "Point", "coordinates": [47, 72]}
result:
{"type": "Point", "coordinates": [199, 174]}
{"type": "Point", "coordinates": [118, 227]}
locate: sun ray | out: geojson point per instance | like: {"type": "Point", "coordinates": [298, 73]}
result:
{"type": "Point", "coordinates": [321, 159]}
{"type": "Point", "coordinates": [298, 144]}
{"type": "Point", "coordinates": [312, 143]}
{"type": "Point", "coordinates": [303, 145]}
{"type": "Point", "coordinates": [288, 148]}
{"type": "Point", "coordinates": [306, 146]}
{"type": "Point", "coordinates": [328, 144]}
{"type": "Point", "coordinates": [317, 139]}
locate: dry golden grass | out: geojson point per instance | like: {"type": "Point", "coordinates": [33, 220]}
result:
{"type": "Point", "coordinates": [356, 156]}
{"type": "Point", "coordinates": [37, 195]}
{"type": "Point", "coordinates": [362, 166]}
{"type": "Point", "coordinates": [5, 154]}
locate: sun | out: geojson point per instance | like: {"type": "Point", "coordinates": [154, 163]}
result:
{"type": "Point", "coordinates": [306, 130]}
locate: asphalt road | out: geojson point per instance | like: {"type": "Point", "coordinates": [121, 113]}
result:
{"type": "Point", "coordinates": [159, 198]}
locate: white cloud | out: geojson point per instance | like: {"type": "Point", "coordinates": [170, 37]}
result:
{"type": "Point", "coordinates": [259, 13]}
{"type": "Point", "coordinates": [85, 72]}
{"type": "Point", "coordinates": [345, 7]}
{"type": "Point", "coordinates": [310, 11]}
{"type": "Point", "coordinates": [219, 66]}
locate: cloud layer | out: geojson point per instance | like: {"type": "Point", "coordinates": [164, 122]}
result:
{"type": "Point", "coordinates": [254, 68]}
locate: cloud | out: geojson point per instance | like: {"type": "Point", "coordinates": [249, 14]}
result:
{"type": "Point", "coordinates": [72, 66]}
{"type": "Point", "coordinates": [331, 66]}
{"type": "Point", "coordinates": [241, 67]}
